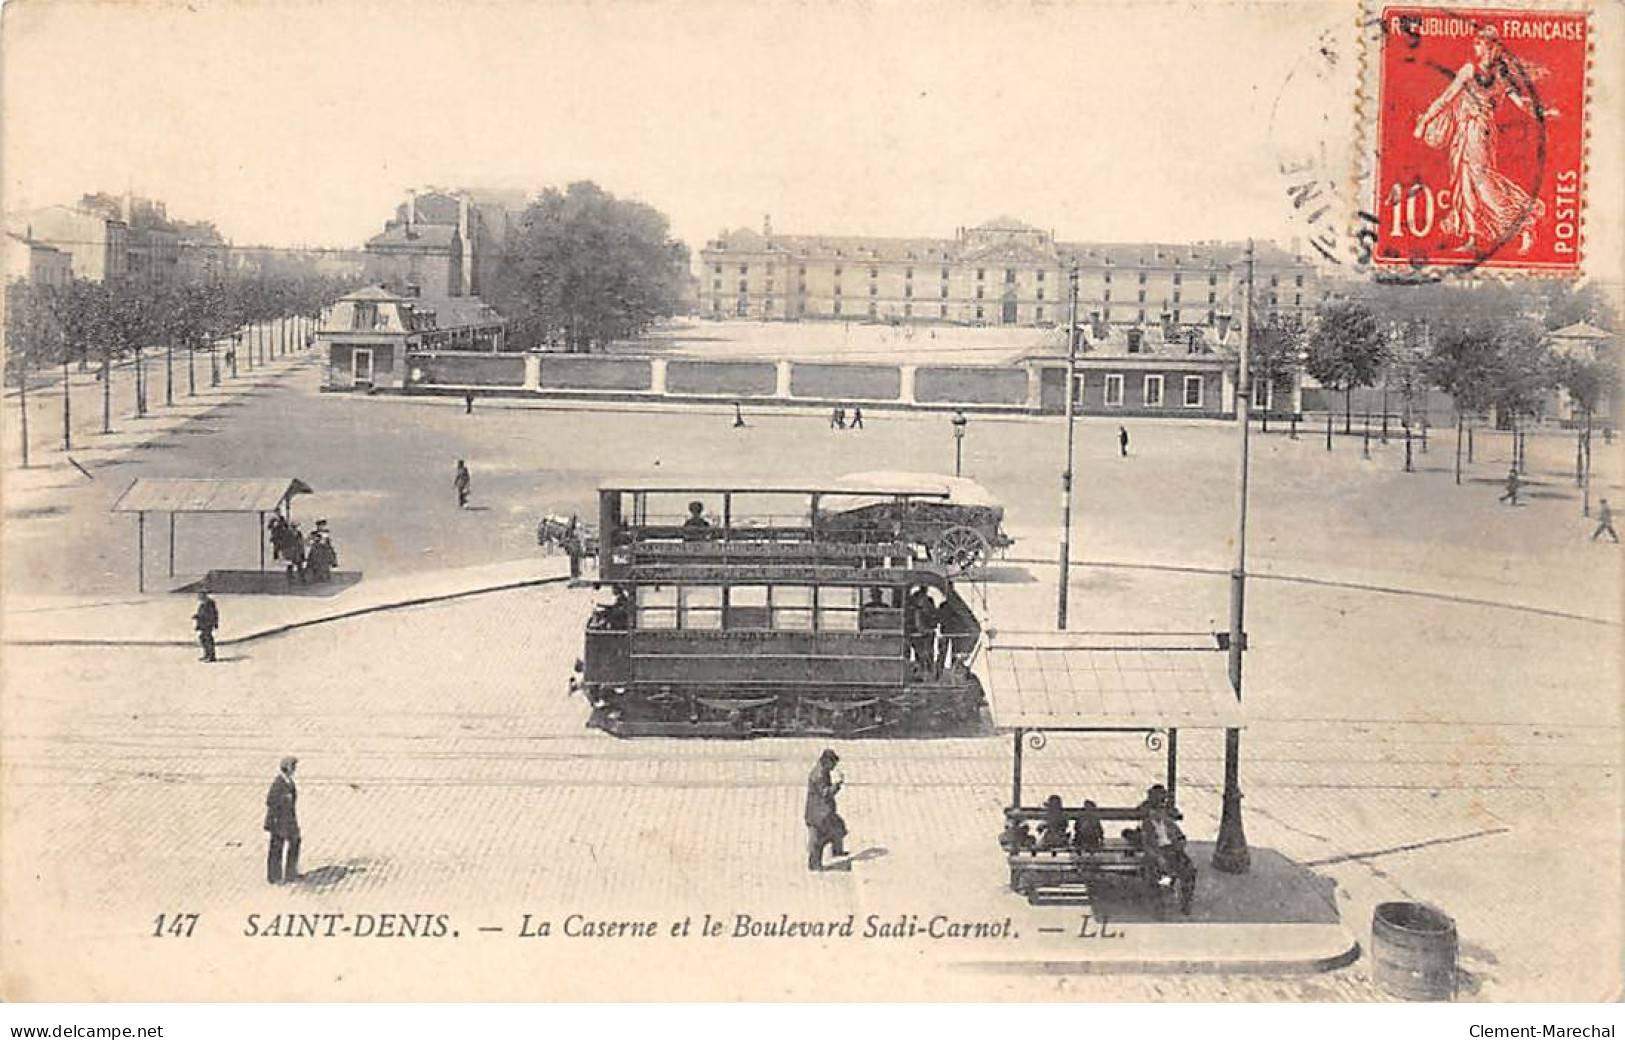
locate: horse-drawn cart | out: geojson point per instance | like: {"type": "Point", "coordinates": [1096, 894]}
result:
{"type": "Point", "coordinates": [959, 532]}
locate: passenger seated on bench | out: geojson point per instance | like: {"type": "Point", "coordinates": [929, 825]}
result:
{"type": "Point", "coordinates": [1164, 844]}
{"type": "Point", "coordinates": [696, 527]}
{"type": "Point", "coordinates": [1052, 832]}
{"type": "Point", "coordinates": [1017, 836]}
{"type": "Point", "coordinates": [1089, 835]}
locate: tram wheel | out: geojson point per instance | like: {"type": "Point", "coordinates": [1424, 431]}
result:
{"type": "Point", "coordinates": [960, 548]}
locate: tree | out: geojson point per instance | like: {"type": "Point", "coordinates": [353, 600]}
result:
{"type": "Point", "coordinates": [1275, 352]}
{"type": "Point", "coordinates": [29, 337]}
{"type": "Point", "coordinates": [1347, 349]}
{"type": "Point", "coordinates": [586, 268]}
{"type": "Point", "coordinates": [1462, 364]}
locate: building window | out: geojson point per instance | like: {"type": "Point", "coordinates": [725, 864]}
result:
{"type": "Point", "coordinates": [837, 307]}
{"type": "Point", "coordinates": [1108, 278]}
{"type": "Point", "coordinates": [1177, 277]}
{"type": "Point", "coordinates": [1106, 315]}
{"type": "Point", "coordinates": [1297, 299]}
{"type": "Point", "coordinates": [1142, 277]}
{"type": "Point", "coordinates": [981, 274]}
{"type": "Point", "coordinates": [837, 290]}
{"type": "Point", "coordinates": [1274, 299]}
{"type": "Point", "coordinates": [1141, 317]}
{"type": "Point", "coordinates": [1193, 391]}
{"type": "Point", "coordinates": [944, 292]}
{"type": "Point", "coordinates": [1176, 315]}
{"type": "Point", "coordinates": [740, 307]}
{"type": "Point", "coordinates": [1275, 280]}
{"type": "Point", "coordinates": [874, 289]}
{"type": "Point", "coordinates": [1040, 275]}
{"type": "Point", "coordinates": [718, 269]}
{"type": "Point", "coordinates": [803, 271]}
{"type": "Point", "coordinates": [978, 313]}
{"type": "Point", "coordinates": [908, 290]}
{"type": "Point", "coordinates": [1297, 280]}
{"type": "Point", "coordinates": [741, 285]}
{"type": "Point", "coordinates": [744, 268]}
{"type": "Point", "coordinates": [874, 272]}
{"type": "Point", "coordinates": [908, 272]}
{"type": "Point", "coordinates": [1009, 276]}
{"type": "Point", "coordinates": [1211, 317]}
{"type": "Point", "coordinates": [1153, 392]}
{"type": "Point", "coordinates": [908, 310]}
{"type": "Point", "coordinates": [1136, 339]}
{"type": "Point", "coordinates": [837, 270]}
{"type": "Point", "coordinates": [1107, 296]}
{"type": "Point", "coordinates": [1263, 394]}
{"type": "Point", "coordinates": [1038, 315]}
{"type": "Point", "coordinates": [1142, 295]}
{"type": "Point", "coordinates": [716, 285]}
{"type": "Point", "coordinates": [1213, 279]}
{"type": "Point", "coordinates": [1212, 297]}
{"type": "Point", "coordinates": [1114, 391]}
{"type": "Point", "coordinates": [1176, 295]}
{"type": "Point", "coordinates": [716, 306]}
{"type": "Point", "coordinates": [769, 286]}
{"type": "Point", "coordinates": [978, 292]}
{"type": "Point", "coordinates": [767, 305]}
{"type": "Point", "coordinates": [872, 309]}
{"type": "Point", "coordinates": [943, 310]}
{"type": "Point", "coordinates": [366, 316]}
{"type": "Point", "coordinates": [1040, 292]}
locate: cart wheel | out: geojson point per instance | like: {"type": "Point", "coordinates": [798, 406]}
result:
{"type": "Point", "coordinates": [960, 548]}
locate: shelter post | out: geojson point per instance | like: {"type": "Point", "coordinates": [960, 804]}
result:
{"type": "Point", "coordinates": [171, 544]}
{"type": "Point", "coordinates": [260, 534]}
{"type": "Point", "coordinates": [141, 552]}
{"type": "Point", "coordinates": [1015, 773]}
{"type": "Point", "coordinates": [1173, 765]}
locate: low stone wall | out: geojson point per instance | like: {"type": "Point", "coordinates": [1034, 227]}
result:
{"type": "Point", "coordinates": [834, 382]}
{"type": "Point", "coordinates": [963, 384]}
{"type": "Point", "coordinates": [722, 378]}
{"type": "Point", "coordinates": [585, 372]}
{"type": "Point", "coordinates": [461, 369]}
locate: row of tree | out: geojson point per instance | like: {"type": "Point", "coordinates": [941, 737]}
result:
{"type": "Point", "coordinates": [1487, 345]}
{"type": "Point", "coordinates": [85, 323]}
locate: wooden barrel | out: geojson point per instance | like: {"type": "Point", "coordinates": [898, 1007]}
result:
{"type": "Point", "coordinates": [1414, 950]}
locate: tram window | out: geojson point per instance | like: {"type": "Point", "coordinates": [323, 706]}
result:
{"type": "Point", "coordinates": [701, 607]}
{"type": "Point", "coordinates": [837, 609]}
{"type": "Point", "coordinates": [657, 607]}
{"type": "Point", "coordinates": [747, 607]}
{"type": "Point", "coordinates": [792, 607]}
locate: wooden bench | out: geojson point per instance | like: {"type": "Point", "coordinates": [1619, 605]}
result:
{"type": "Point", "coordinates": [1038, 872]}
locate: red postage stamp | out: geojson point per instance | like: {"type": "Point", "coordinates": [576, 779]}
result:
{"type": "Point", "coordinates": [1480, 139]}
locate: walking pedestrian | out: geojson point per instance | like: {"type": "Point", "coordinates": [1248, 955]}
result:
{"type": "Point", "coordinates": [837, 419]}
{"type": "Point", "coordinates": [1122, 441]}
{"type": "Point", "coordinates": [824, 823]}
{"type": "Point", "coordinates": [739, 416]}
{"type": "Point", "coordinates": [282, 825]}
{"type": "Point", "coordinates": [1605, 522]}
{"type": "Point", "coordinates": [857, 418]}
{"type": "Point", "coordinates": [206, 619]}
{"type": "Point", "coordinates": [1513, 483]}
{"type": "Point", "coordinates": [462, 482]}
{"type": "Point", "coordinates": [468, 402]}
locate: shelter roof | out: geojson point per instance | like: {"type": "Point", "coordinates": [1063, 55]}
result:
{"type": "Point", "coordinates": [422, 236]}
{"type": "Point", "coordinates": [961, 491]}
{"type": "Point", "coordinates": [1581, 330]}
{"type": "Point", "coordinates": [185, 495]}
{"type": "Point", "coordinates": [1079, 681]}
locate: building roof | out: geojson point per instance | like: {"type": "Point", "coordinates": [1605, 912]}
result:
{"type": "Point", "coordinates": [455, 311]}
{"type": "Point", "coordinates": [1153, 343]}
{"type": "Point", "coordinates": [1581, 330]}
{"type": "Point", "coordinates": [184, 495]}
{"type": "Point", "coordinates": [425, 237]}
{"type": "Point", "coordinates": [372, 292]}
{"type": "Point", "coordinates": [862, 484]}
{"type": "Point", "coordinates": [1062, 680]}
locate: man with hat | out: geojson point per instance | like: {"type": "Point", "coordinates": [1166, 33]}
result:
{"type": "Point", "coordinates": [282, 824]}
{"type": "Point", "coordinates": [1164, 844]}
{"type": "Point", "coordinates": [206, 619]}
{"type": "Point", "coordinates": [824, 824]}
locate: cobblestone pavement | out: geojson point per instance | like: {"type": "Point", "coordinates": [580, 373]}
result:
{"type": "Point", "coordinates": [444, 769]}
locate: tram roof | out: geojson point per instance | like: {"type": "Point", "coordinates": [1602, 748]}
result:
{"type": "Point", "coordinates": [862, 484]}
{"type": "Point", "coordinates": [1107, 681]}
{"type": "Point", "coordinates": [777, 574]}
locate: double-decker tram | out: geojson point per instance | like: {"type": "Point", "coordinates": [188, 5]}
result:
{"type": "Point", "coordinates": [763, 610]}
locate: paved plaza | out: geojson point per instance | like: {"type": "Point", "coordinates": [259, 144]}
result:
{"type": "Point", "coordinates": [1432, 701]}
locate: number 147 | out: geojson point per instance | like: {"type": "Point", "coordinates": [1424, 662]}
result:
{"type": "Point", "coordinates": [176, 925]}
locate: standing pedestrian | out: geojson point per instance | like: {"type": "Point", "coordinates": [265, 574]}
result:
{"type": "Point", "coordinates": [739, 416]}
{"type": "Point", "coordinates": [1122, 441]}
{"type": "Point", "coordinates": [1513, 483]}
{"type": "Point", "coordinates": [1605, 522]}
{"type": "Point", "coordinates": [572, 546]}
{"type": "Point", "coordinates": [837, 419]}
{"type": "Point", "coordinates": [468, 402]}
{"type": "Point", "coordinates": [462, 482]}
{"type": "Point", "coordinates": [857, 418]}
{"type": "Point", "coordinates": [294, 553]}
{"type": "Point", "coordinates": [282, 825]}
{"type": "Point", "coordinates": [206, 619]}
{"type": "Point", "coordinates": [824, 824]}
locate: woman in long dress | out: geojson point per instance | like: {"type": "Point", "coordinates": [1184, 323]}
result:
{"type": "Point", "coordinates": [1487, 207]}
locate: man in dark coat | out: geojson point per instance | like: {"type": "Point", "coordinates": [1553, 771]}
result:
{"type": "Point", "coordinates": [1164, 844]}
{"type": "Point", "coordinates": [206, 619]}
{"type": "Point", "coordinates": [462, 481]}
{"type": "Point", "coordinates": [1122, 440]}
{"type": "Point", "coordinates": [824, 824]}
{"type": "Point", "coordinates": [282, 824]}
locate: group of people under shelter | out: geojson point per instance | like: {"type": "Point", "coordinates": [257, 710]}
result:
{"type": "Point", "coordinates": [1158, 835]}
{"type": "Point", "coordinates": [307, 559]}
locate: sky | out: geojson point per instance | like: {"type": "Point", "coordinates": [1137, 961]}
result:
{"type": "Point", "coordinates": [291, 123]}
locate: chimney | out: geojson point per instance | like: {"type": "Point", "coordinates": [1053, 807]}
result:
{"type": "Point", "coordinates": [468, 245]}
{"type": "Point", "coordinates": [1099, 323]}
{"type": "Point", "coordinates": [767, 225]}
{"type": "Point", "coordinates": [1167, 327]}
{"type": "Point", "coordinates": [411, 211]}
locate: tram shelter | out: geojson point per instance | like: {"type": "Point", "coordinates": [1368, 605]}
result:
{"type": "Point", "coordinates": [1150, 684]}
{"type": "Point", "coordinates": [177, 495]}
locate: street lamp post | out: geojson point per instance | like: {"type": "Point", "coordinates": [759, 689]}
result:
{"type": "Point", "coordinates": [959, 423]}
{"type": "Point", "coordinates": [236, 348]}
{"type": "Point", "coordinates": [1230, 852]}
{"type": "Point", "coordinates": [1065, 562]}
